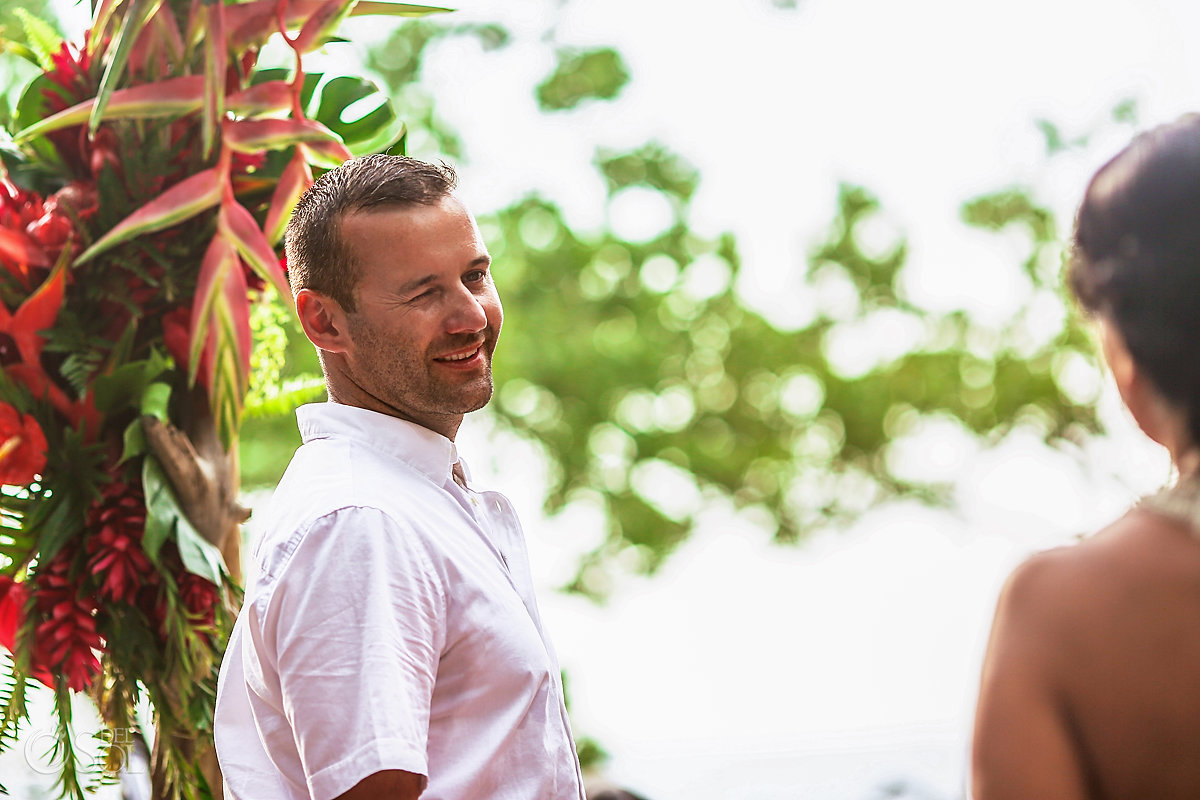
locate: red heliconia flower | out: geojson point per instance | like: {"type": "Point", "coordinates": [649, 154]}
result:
{"type": "Point", "coordinates": [200, 597]}
{"type": "Point", "coordinates": [114, 548]}
{"type": "Point", "coordinates": [22, 447]}
{"type": "Point", "coordinates": [66, 640]}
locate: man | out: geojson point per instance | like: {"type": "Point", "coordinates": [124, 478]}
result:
{"type": "Point", "coordinates": [390, 645]}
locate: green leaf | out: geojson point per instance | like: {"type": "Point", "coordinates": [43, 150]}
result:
{"type": "Point", "coordinates": [15, 74]}
{"type": "Point", "coordinates": [136, 17]}
{"type": "Point", "coordinates": [162, 510]}
{"type": "Point", "coordinates": [63, 522]}
{"type": "Point", "coordinates": [134, 440]}
{"type": "Point", "coordinates": [156, 400]}
{"type": "Point", "coordinates": [199, 556]}
{"type": "Point", "coordinates": [29, 110]}
{"type": "Point", "coordinates": [389, 140]}
{"type": "Point", "coordinates": [364, 7]}
{"type": "Point", "coordinates": [339, 94]}
{"type": "Point", "coordinates": [127, 385]}
{"type": "Point", "coordinates": [41, 36]}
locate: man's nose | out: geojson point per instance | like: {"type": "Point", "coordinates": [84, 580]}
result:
{"type": "Point", "coordinates": [467, 313]}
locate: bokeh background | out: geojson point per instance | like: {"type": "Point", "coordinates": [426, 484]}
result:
{"type": "Point", "coordinates": [788, 381]}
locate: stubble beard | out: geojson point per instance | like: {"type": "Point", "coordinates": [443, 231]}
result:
{"type": "Point", "coordinates": [405, 381]}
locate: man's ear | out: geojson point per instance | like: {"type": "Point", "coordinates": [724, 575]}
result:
{"type": "Point", "coordinates": [323, 321]}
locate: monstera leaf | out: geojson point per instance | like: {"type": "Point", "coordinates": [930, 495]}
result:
{"type": "Point", "coordinates": [351, 107]}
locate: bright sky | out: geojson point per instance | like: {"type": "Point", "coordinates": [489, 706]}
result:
{"type": "Point", "coordinates": [753, 672]}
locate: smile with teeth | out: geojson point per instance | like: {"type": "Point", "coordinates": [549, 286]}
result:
{"type": "Point", "coordinates": [460, 356]}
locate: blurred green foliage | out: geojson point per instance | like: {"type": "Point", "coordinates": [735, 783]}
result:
{"type": "Point", "coordinates": [653, 390]}
{"type": "Point", "coordinates": [22, 29]}
{"type": "Point", "coordinates": [15, 17]}
{"type": "Point", "coordinates": [581, 75]}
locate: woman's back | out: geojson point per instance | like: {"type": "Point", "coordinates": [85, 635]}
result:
{"type": "Point", "coordinates": [1094, 670]}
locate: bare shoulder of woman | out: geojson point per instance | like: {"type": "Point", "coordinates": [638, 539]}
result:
{"type": "Point", "coordinates": [1068, 622]}
{"type": "Point", "coordinates": [1023, 746]}
{"type": "Point", "coordinates": [1050, 611]}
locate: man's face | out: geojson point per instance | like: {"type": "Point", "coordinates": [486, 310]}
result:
{"type": "Point", "coordinates": [427, 315]}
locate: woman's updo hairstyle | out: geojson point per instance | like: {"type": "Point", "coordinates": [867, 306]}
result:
{"type": "Point", "coordinates": [1136, 257]}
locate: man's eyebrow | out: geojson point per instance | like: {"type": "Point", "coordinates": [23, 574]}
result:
{"type": "Point", "coordinates": [416, 284]}
{"type": "Point", "coordinates": [425, 280]}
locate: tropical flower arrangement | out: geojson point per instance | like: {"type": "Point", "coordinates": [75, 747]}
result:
{"type": "Point", "coordinates": [147, 175]}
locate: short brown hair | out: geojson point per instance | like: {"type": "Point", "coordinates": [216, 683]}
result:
{"type": "Point", "coordinates": [317, 256]}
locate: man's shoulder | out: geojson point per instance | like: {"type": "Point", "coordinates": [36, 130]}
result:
{"type": "Point", "coordinates": [333, 472]}
{"type": "Point", "coordinates": [334, 478]}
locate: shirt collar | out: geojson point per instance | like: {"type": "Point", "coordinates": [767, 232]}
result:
{"type": "Point", "coordinates": [425, 450]}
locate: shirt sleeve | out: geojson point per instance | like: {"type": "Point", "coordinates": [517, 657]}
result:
{"type": "Point", "coordinates": [357, 625]}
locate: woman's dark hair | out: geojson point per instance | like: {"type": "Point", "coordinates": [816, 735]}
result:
{"type": "Point", "coordinates": [1136, 257]}
{"type": "Point", "coordinates": [318, 257]}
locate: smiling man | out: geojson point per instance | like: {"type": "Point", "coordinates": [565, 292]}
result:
{"type": "Point", "coordinates": [389, 645]}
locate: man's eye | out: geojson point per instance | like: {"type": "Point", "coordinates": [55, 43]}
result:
{"type": "Point", "coordinates": [475, 275]}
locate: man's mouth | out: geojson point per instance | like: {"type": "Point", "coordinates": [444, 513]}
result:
{"type": "Point", "coordinates": [462, 356]}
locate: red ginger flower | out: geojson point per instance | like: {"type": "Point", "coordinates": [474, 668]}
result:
{"type": "Point", "coordinates": [33, 231]}
{"type": "Point", "coordinates": [71, 74]}
{"type": "Point", "coordinates": [19, 211]}
{"type": "Point", "coordinates": [18, 208]}
{"type": "Point", "coordinates": [66, 639]}
{"type": "Point", "coordinates": [22, 447]}
{"type": "Point", "coordinates": [72, 82]}
{"type": "Point", "coordinates": [115, 549]}
{"type": "Point", "coordinates": [55, 229]}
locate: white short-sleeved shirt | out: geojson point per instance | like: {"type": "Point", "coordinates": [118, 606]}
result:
{"type": "Point", "coordinates": [390, 624]}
